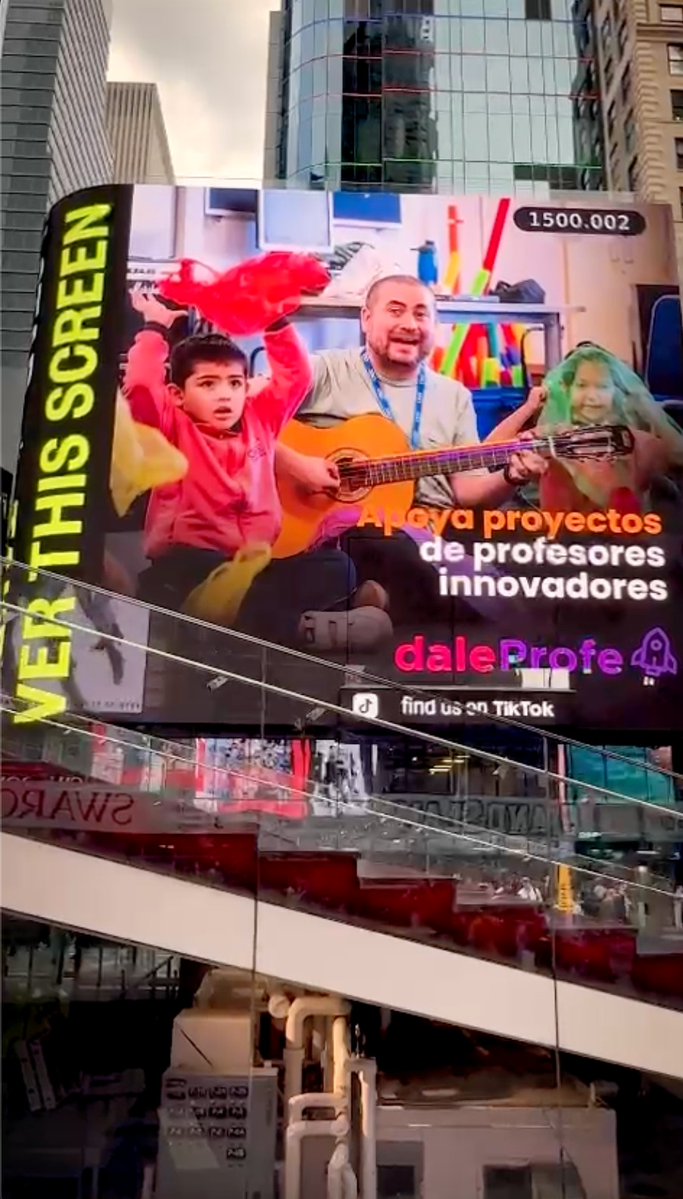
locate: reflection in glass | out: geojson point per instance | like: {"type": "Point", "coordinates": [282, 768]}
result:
{"type": "Point", "coordinates": [130, 1072]}
{"type": "Point", "coordinates": [416, 61]}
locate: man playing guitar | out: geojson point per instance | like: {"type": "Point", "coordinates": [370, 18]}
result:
{"type": "Point", "coordinates": [389, 376]}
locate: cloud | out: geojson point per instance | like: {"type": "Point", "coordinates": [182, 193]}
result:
{"type": "Point", "coordinates": [209, 60]}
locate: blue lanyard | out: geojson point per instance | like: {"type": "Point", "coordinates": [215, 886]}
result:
{"type": "Point", "coordinates": [384, 404]}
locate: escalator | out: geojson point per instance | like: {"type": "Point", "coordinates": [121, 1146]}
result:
{"type": "Point", "coordinates": [373, 959]}
{"type": "Point", "coordinates": [380, 901]}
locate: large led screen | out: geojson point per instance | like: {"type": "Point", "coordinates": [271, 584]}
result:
{"type": "Point", "coordinates": [435, 443]}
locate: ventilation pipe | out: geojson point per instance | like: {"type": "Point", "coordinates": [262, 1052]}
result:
{"type": "Point", "coordinates": [296, 1131]}
{"type": "Point", "coordinates": [341, 1180]}
{"type": "Point", "coordinates": [299, 1012]}
{"type": "Point", "coordinates": [321, 1034]}
{"type": "Point", "coordinates": [278, 1005]}
{"type": "Point", "coordinates": [299, 1104]}
{"type": "Point", "coordinates": [366, 1070]}
{"type": "Point", "coordinates": [338, 1097]}
{"type": "Point", "coordinates": [340, 1056]}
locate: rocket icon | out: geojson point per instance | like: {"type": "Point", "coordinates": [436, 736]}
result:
{"type": "Point", "coordinates": [654, 656]}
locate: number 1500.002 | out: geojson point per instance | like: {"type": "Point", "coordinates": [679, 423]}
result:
{"type": "Point", "coordinates": [622, 222]}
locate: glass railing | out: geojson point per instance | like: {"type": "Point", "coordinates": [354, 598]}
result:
{"type": "Point", "coordinates": [444, 886]}
{"type": "Point", "coordinates": [172, 784]}
{"type": "Point", "coordinates": [101, 1098]}
{"type": "Point", "coordinates": [511, 892]}
{"type": "Point", "coordinates": [133, 662]}
{"type": "Point", "coordinates": [382, 866]}
{"type": "Point", "coordinates": [523, 807]}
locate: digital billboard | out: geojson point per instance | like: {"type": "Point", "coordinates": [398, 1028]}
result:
{"type": "Point", "coordinates": [437, 443]}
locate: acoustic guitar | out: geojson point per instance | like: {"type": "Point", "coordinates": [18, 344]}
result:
{"type": "Point", "coordinates": [387, 482]}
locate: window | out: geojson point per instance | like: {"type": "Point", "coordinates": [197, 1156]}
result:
{"type": "Point", "coordinates": [626, 85]}
{"type": "Point", "coordinates": [395, 1181]}
{"type": "Point", "coordinates": [606, 34]}
{"type": "Point", "coordinates": [673, 13]}
{"type": "Point", "coordinates": [679, 153]}
{"type": "Point", "coordinates": [677, 105]}
{"type": "Point", "coordinates": [538, 1178]}
{"type": "Point", "coordinates": [674, 53]}
{"type": "Point", "coordinates": [633, 175]}
{"type": "Point", "coordinates": [608, 71]}
{"type": "Point", "coordinates": [680, 200]}
{"type": "Point", "coordinates": [508, 1182]}
{"type": "Point", "coordinates": [622, 35]}
{"type": "Point", "coordinates": [537, 10]}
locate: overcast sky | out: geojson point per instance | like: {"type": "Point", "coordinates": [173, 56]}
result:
{"type": "Point", "coordinates": [209, 59]}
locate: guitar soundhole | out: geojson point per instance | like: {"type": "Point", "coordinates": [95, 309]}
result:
{"type": "Point", "coordinates": [353, 472]}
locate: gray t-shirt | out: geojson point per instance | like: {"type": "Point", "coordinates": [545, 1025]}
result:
{"type": "Point", "coordinates": [342, 390]}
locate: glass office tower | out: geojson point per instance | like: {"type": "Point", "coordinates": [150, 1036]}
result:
{"type": "Point", "coordinates": [436, 95]}
{"type": "Point", "coordinates": [53, 63]}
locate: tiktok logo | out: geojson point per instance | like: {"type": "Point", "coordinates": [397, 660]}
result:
{"type": "Point", "coordinates": [365, 703]}
{"type": "Point", "coordinates": [655, 657]}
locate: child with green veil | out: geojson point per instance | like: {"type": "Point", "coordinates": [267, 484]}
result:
{"type": "Point", "coordinates": [593, 387]}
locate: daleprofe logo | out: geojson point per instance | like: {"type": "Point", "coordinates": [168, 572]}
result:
{"type": "Point", "coordinates": [653, 656]}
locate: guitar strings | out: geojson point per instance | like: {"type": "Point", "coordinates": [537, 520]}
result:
{"type": "Point", "coordinates": [595, 441]}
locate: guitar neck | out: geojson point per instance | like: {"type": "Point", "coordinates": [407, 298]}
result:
{"type": "Point", "coordinates": [450, 461]}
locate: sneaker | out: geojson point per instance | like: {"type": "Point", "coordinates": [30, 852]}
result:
{"type": "Point", "coordinates": [359, 629]}
{"type": "Point", "coordinates": [371, 595]}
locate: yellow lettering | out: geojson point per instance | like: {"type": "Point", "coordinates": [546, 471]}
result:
{"type": "Point", "coordinates": [40, 560]}
{"type": "Point", "coordinates": [45, 704]}
{"type": "Point", "coordinates": [67, 453]}
{"type": "Point", "coordinates": [83, 258]}
{"type": "Point", "coordinates": [72, 324]}
{"type": "Point", "coordinates": [62, 483]}
{"type": "Point", "coordinates": [56, 525]}
{"type": "Point", "coordinates": [85, 223]}
{"type": "Point", "coordinates": [41, 611]}
{"type": "Point", "coordinates": [75, 401]}
{"type": "Point", "coordinates": [59, 495]}
{"type": "Point", "coordinates": [72, 363]}
{"type": "Point", "coordinates": [80, 291]}
{"type": "Point", "coordinates": [43, 667]}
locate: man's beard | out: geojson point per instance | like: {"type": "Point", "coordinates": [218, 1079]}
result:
{"type": "Point", "coordinates": [394, 363]}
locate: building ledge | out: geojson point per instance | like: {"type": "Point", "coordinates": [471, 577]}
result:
{"type": "Point", "coordinates": [660, 31]}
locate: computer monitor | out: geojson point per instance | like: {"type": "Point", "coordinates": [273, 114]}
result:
{"type": "Point", "coordinates": [295, 220]}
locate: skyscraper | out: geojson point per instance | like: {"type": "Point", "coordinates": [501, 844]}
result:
{"type": "Point", "coordinates": [275, 83]}
{"type": "Point", "coordinates": [137, 134]}
{"type": "Point", "coordinates": [54, 68]}
{"type": "Point", "coordinates": [425, 95]}
{"type": "Point", "coordinates": [640, 50]}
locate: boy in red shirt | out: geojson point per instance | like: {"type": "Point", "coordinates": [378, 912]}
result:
{"type": "Point", "coordinates": [225, 511]}
{"type": "Point", "coordinates": [209, 534]}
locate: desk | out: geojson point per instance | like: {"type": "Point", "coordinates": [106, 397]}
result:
{"type": "Point", "coordinates": [454, 311]}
